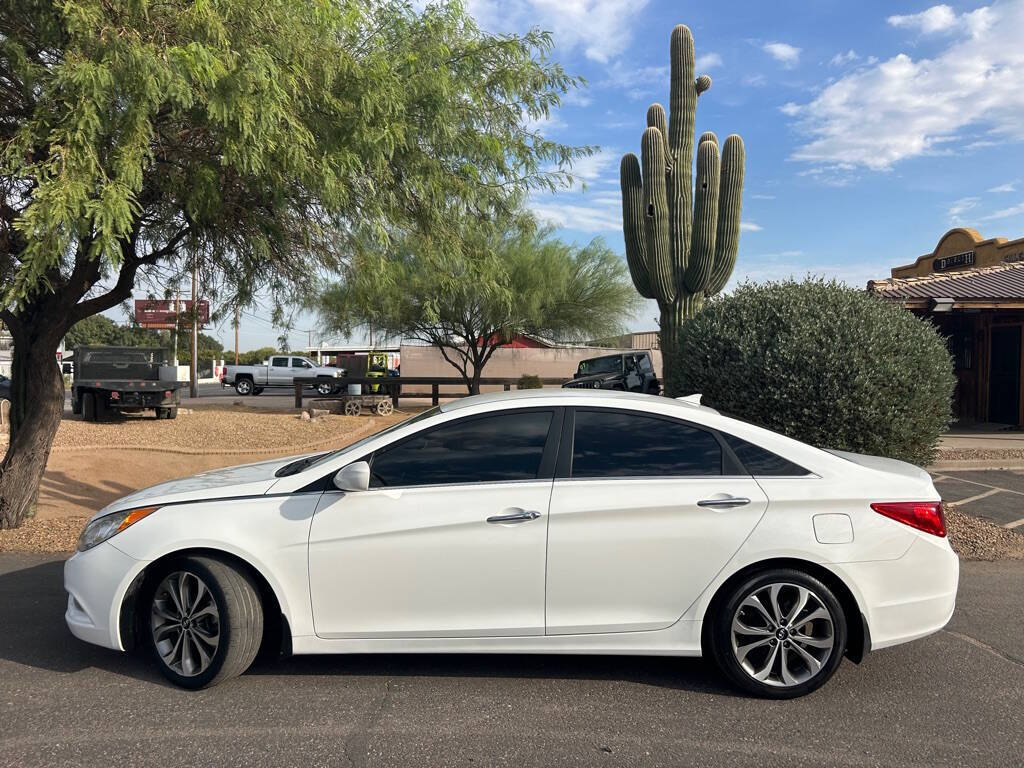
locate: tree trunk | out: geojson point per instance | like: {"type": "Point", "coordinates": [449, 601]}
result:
{"type": "Point", "coordinates": [672, 318]}
{"type": "Point", "coordinates": [37, 405]}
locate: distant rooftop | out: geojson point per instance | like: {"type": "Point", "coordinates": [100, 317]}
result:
{"type": "Point", "coordinates": [1000, 282]}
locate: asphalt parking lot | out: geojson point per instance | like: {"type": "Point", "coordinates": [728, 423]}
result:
{"type": "Point", "coordinates": [956, 698]}
{"type": "Point", "coordinates": [994, 494]}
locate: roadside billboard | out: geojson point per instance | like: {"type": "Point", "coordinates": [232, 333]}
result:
{"type": "Point", "coordinates": [164, 313]}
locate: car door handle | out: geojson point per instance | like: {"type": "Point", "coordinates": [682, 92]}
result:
{"type": "Point", "coordinates": [519, 516]}
{"type": "Point", "coordinates": [727, 502]}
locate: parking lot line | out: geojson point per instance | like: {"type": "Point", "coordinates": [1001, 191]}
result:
{"type": "Point", "coordinates": [986, 494]}
{"type": "Point", "coordinates": [1015, 523]}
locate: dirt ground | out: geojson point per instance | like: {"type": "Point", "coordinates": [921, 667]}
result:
{"type": "Point", "coordinates": [91, 464]}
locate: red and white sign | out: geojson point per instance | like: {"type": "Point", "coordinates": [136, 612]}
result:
{"type": "Point", "coordinates": [161, 313]}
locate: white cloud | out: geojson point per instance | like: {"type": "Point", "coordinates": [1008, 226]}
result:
{"type": "Point", "coordinates": [959, 207]}
{"type": "Point", "coordinates": [1005, 213]}
{"type": "Point", "coordinates": [707, 61]}
{"type": "Point", "coordinates": [788, 55]}
{"type": "Point", "coordinates": [941, 19]}
{"type": "Point", "coordinates": [601, 28]}
{"type": "Point", "coordinates": [577, 98]}
{"type": "Point", "coordinates": [844, 58]}
{"type": "Point", "coordinates": [1008, 187]}
{"type": "Point", "coordinates": [749, 226]}
{"type": "Point", "coordinates": [762, 197]}
{"type": "Point", "coordinates": [600, 214]}
{"type": "Point", "coordinates": [901, 108]}
{"type": "Point", "coordinates": [592, 168]}
{"type": "Point", "coordinates": [790, 108]}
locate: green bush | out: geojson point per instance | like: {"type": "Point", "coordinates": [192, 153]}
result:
{"type": "Point", "coordinates": [823, 363]}
{"type": "Point", "coordinates": [529, 381]}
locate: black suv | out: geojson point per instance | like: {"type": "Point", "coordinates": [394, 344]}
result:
{"type": "Point", "coordinates": [629, 371]}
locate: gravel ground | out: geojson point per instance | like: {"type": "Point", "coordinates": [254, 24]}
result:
{"type": "Point", "coordinates": [977, 539]}
{"type": "Point", "coordinates": [976, 454]}
{"type": "Point", "coordinates": [216, 430]}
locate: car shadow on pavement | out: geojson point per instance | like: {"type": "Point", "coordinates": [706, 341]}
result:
{"type": "Point", "coordinates": [32, 605]}
{"type": "Point", "coordinates": [33, 601]}
{"type": "Point", "coordinates": [677, 673]}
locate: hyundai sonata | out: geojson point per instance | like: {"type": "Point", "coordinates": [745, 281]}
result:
{"type": "Point", "coordinates": [542, 521]}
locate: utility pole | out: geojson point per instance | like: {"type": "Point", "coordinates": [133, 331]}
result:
{"type": "Point", "coordinates": [236, 334]}
{"type": "Point", "coordinates": [194, 371]}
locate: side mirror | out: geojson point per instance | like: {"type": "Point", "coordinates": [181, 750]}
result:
{"type": "Point", "coordinates": [354, 477]}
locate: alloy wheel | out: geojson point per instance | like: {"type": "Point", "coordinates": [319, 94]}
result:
{"type": "Point", "coordinates": [185, 623]}
{"type": "Point", "coordinates": [782, 634]}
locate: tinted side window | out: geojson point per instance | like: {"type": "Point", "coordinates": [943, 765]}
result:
{"type": "Point", "coordinates": [759, 461]}
{"type": "Point", "coordinates": [615, 444]}
{"type": "Point", "coordinates": [497, 448]}
{"type": "Point", "coordinates": [279, 362]}
{"type": "Point", "coordinates": [645, 364]}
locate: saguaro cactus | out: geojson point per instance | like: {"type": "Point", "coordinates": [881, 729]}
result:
{"type": "Point", "coordinates": [681, 240]}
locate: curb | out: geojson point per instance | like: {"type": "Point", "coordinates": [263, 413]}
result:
{"type": "Point", "coordinates": [953, 466]}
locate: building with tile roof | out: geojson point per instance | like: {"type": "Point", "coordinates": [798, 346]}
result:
{"type": "Point", "coordinates": [972, 289]}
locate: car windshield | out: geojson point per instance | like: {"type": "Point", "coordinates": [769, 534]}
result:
{"type": "Point", "coordinates": [301, 465]}
{"type": "Point", "coordinates": [610, 364]}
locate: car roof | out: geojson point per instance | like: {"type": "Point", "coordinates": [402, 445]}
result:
{"type": "Point", "coordinates": [566, 396]}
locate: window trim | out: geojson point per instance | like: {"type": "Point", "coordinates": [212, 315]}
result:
{"type": "Point", "coordinates": [731, 466]}
{"type": "Point", "coordinates": [545, 470]}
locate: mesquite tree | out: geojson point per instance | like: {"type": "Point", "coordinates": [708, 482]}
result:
{"type": "Point", "coordinates": [252, 138]}
{"type": "Point", "coordinates": [468, 295]}
{"type": "Point", "coordinates": [681, 242]}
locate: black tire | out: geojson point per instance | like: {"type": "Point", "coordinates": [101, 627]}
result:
{"type": "Point", "coordinates": [159, 413]}
{"type": "Point", "coordinates": [325, 388]}
{"type": "Point", "coordinates": [171, 413]}
{"type": "Point", "coordinates": [76, 405]}
{"type": "Point", "coordinates": [725, 656]}
{"type": "Point", "coordinates": [88, 406]}
{"type": "Point", "coordinates": [243, 387]}
{"type": "Point", "coordinates": [239, 620]}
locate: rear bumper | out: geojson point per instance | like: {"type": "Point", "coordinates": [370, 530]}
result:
{"type": "Point", "coordinates": [911, 597]}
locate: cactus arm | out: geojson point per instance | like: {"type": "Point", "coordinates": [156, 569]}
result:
{"type": "Point", "coordinates": [682, 114]}
{"type": "Point", "coordinates": [633, 224]}
{"type": "Point", "coordinates": [727, 239]}
{"type": "Point", "coordinates": [656, 119]}
{"type": "Point", "coordinates": [705, 216]}
{"type": "Point", "coordinates": [656, 225]}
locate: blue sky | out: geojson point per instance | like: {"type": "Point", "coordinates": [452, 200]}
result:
{"type": "Point", "coordinates": [871, 128]}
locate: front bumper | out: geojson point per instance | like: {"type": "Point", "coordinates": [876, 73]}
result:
{"type": "Point", "coordinates": [96, 582]}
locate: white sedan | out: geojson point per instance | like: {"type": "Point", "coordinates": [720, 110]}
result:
{"type": "Point", "coordinates": [542, 521]}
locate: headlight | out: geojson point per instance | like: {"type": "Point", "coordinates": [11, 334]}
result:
{"type": "Point", "coordinates": [102, 528]}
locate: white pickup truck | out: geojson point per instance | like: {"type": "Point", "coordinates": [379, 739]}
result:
{"type": "Point", "coordinates": [280, 371]}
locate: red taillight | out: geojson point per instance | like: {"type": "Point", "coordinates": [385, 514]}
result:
{"type": "Point", "coordinates": [924, 515]}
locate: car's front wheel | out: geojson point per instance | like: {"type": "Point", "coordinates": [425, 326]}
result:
{"type": "Point", "coordinates": [205, 622]}
{"type": "Point", "coordinates": [779, 634]}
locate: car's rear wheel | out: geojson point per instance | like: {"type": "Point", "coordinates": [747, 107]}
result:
{"type": "Point", "coordinates": [779, 634]}
{"type": "Point", "coordinates": [205, 622]}
{"type": "Point", "coordinates": [243, 387]}
{"type": "Point", "coordinates": [325, 388]}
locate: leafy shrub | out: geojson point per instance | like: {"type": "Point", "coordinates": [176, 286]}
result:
{"type": "Point", "coordinates": [823, 363]}
{"type": "Point", "coordinates": [529, 381]}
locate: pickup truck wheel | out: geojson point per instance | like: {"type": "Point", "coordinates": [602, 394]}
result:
{"type": "Point", "coordinates": [171, 413]}
{"type": "Point", "coordinates": [243, 387]}
{"type": "Point", "coordinates": [325, 388]}
{"type": "Point", "coordinates": [76, 405]}
{"type": "Point", "coordinates": [88, 407]}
